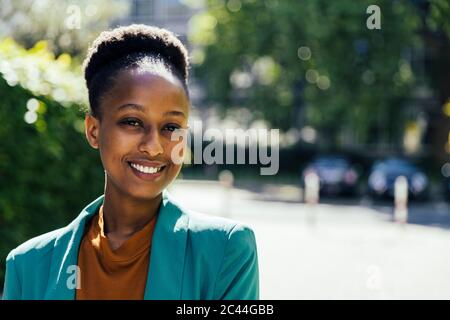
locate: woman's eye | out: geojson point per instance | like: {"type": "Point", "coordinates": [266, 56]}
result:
{"type": "Point", "coordinates": [171, 127]}
{"type": "Point", "coordinates": [131, 122]}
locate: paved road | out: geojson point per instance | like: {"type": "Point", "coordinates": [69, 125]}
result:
{"type": "Point", "coordinates": [334, 250]}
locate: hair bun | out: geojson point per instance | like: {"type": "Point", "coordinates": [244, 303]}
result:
{"type": "Point", "coordinates": [137, 38]}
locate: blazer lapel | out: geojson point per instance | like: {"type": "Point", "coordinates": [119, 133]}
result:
{"type": "Point", "coordinates": [65, 256]}
{"type": "Point", "coordinates": [165, 275]}
{"type": "Point", "coordinates": [164, 279]}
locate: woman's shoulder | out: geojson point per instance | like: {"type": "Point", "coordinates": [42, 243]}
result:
{"type": "Point", "coordinates": [227, 249]}
{"type": "Point", "coordinates": [200, 221]}
{"type": "Point", "coordinates": [227, 226]}
{"type": "Point", "coordinates": [207, 228]}
{"type": "Point", "coordinates": [44, 244]}
{"type": "Point", "coordinates": [37, 246]}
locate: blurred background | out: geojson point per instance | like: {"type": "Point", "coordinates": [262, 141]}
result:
{"type": "Point", "coordinates": [360, 206]}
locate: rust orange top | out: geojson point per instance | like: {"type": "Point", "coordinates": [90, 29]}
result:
{"type": "Point", "coordinates": [113, 274]}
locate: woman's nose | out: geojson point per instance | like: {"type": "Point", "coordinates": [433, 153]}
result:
{"type": "Point", "coordinates": [151, 143]}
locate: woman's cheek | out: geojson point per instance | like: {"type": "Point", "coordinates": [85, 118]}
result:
{"type": "Point", "coordinates": [113, 147]}
{"type": "Point", "coordinates": [176, 152]}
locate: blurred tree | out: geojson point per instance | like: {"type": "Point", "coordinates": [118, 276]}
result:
{"type": "Point", "coordinates": [436, 32]}
{"type": "Point", "coordinates": [285, 58]}
{"type": "Point", "coordinates": [438, 14]}
{"type": "Point", "coordinates": [48, 172]}
{"type": "Point", "coordinates": [68, 26]}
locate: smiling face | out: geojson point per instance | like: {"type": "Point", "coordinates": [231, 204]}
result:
{"type": "Point", "coordinates": [140, 115]}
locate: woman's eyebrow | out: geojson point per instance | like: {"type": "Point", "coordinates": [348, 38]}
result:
{"type": "Point", "coordinates": [132, 106]}
{"type": "Point", "coordinates": [175, 113]}
{"type": "Point", "coordinates": [141, 108]}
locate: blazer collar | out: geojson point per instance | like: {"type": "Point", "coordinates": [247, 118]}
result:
{"type": "Point", "coordinates": [167, 256]}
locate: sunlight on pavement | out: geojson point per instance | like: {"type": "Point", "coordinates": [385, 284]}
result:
{"type": "Point", "coordinates": [331, 251]}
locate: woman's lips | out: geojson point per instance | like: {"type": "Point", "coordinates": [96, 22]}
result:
{"type": "Point", "coordinates": [148, 176]}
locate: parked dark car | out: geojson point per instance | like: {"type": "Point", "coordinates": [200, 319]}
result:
{"type": "Point", "coordinates": [446, 180]}
{"type": "Point", "coordinates": [336, 175]}
{"type": "Point", "coordinates": [383, 174]}
{"type": "Point", "coordinates": [447, 188]}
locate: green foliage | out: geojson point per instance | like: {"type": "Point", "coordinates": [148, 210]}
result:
{"type": "Point", "coordinates": [68, 26]}
{"type": "Point", "coordinates": [38, 71]}
{"type": "Point", "coordinates": [439, 15]}
{"type": "Point", "coordinates": [48, 172]}
{"type": "Point", "coordinates": [250, 56]}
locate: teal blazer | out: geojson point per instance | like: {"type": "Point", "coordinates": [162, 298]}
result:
{"type": "Point", "coordinates": [193, 256]}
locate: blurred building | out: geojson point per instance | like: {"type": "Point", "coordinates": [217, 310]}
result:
{"type": "Point", "coordinates": [171, 14]}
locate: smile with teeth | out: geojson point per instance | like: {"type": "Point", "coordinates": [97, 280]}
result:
{"type": "Point", "coordinates": [143, 169]}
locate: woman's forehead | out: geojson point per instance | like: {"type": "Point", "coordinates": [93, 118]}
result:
{"type": "Point", "coordinates": [160, 79]}
{"type": "Point", "coordinates": [147, 89]}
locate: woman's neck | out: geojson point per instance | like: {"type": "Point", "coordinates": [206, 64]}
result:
{"type": "Point", "coordinates": [123, 216]}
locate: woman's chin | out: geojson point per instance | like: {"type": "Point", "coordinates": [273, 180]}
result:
{"type": "Point", "coordinates": [144, 194]}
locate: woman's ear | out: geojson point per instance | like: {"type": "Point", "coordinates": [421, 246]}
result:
{"type": "Point", "coordinates": [92, 129]}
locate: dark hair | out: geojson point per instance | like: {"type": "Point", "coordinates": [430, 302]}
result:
{"type": "Point", "coordinates": [128, 47]}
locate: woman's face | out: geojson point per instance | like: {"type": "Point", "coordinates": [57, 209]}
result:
{"type": "Point", "coordinates": [140, 116]}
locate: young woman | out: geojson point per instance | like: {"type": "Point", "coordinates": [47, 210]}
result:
{"type": "Point", "coordinates": [135, 241]}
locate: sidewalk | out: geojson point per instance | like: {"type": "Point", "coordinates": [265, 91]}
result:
{"type": "Point", "coordinates": [331, 251]}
